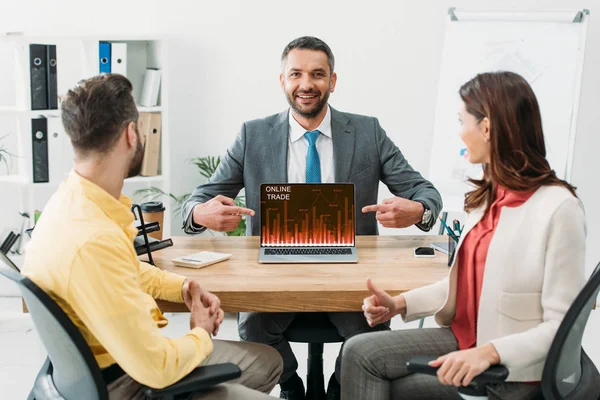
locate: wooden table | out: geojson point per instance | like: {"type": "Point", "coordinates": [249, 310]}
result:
{"type": "Point", "coordinates": [243, 284]}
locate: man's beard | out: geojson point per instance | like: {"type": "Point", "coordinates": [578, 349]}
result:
{"type": "Point", "coordinates": [135, 167]}
{"type": "Point", "coordinates": [307, 114]}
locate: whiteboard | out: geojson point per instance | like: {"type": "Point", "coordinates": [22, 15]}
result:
{"type": "Point", "coordinates": [546, 48]}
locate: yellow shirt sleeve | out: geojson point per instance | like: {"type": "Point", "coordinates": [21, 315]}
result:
{"type": "Point", "coordinates": [161, 284]}
{"type": "Point", "coordinates": [105, 290]}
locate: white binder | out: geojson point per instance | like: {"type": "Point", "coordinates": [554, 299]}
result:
{"type": "Point", "coordinates": [149, 96]}
{"type": "Point", "coordinates": [118, 57]}
{"type": "Point", "coordinates": [60, 151]}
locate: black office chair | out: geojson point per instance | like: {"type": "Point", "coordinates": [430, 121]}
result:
{"type": "Point", "coordinates": [568, 372]}
{"type": "Point", "coordinates": [315, 329]}
{"type": "Point", "coordinates": [71, 372]}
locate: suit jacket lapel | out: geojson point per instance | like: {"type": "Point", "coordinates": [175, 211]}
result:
{"type": "Point", "coordinates": [277, 139]}
{"type": "Point", "coordinates": [472, 219]}
{"type": "Point", "coordinates": [343, 136]}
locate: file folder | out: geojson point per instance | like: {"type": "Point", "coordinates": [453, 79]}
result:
{"type": "Point", "coordinates": [38, 76]}
{"type": "Point", "coordinates": [142, 248]}
{"type": "Point", "coordinates": [39, 149]}
{"type": "Point", "coordinates": [150, 127]}
{"type": "Point", "coordinates": [104, 58]}
{"type": "Point", "coordinates": [51, 78]}
{"type": "Point", "coordinates": [149, 227]}
{"type": "Point", "coordinates": [118, 58]}
{"type": "Point", "coordinates": [149, 96]}
{"type": "Point", "coordinates": [60, 152]}
{"type": "Point", "coordinates": [9, 242]}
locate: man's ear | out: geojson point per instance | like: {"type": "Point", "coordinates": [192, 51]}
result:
{"type": "Point", "coordinates": [282, 82]}
{"type": "Point", "coordinates": [131, 135]}
{"type": "Point", "coordinates": [333, 82]}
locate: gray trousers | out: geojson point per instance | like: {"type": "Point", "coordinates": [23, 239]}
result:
{"type": "Point", "coordinates": [261, 367]}
{"type": "Point", "coordinates": [268, 328]}
{"type": "Point", "coordinates": [374, 367]}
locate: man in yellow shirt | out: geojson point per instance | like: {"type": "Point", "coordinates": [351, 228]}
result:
{"type": "Point", "coordinates": [82, 255]}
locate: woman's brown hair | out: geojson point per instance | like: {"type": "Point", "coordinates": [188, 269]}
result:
{"type": "Point", "coordinates": [518, 152]}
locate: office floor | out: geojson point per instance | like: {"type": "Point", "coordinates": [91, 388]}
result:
{"type": "Point", "coordinates": [22, 354]}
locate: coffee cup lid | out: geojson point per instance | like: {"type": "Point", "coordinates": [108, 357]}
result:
{"type": "Point", "coordinates": [152, 206]}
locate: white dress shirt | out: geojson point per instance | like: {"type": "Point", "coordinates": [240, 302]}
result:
{"type": "Point", "coordinates": [298, 149]}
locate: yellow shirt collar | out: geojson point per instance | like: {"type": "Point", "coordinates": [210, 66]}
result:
{"type": "Point", "coordinates": [118, 211]}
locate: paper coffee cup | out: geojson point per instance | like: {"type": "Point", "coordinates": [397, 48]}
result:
{"type": "Point", "coordinates": [154, 211]}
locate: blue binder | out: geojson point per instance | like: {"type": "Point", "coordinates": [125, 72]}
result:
{"type": "Point", "coordinates": [104, 58]}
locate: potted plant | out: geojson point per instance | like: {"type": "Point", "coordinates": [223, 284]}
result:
{"type": "Point", "coordinates": [5, 156]}
{"type": "Point", "coordinates": [206, 166]}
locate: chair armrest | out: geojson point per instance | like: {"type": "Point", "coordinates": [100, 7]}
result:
{"type": "Point", "coordinates": [198, 380]}
{"type": "Point", "coordinates": [494, 374]}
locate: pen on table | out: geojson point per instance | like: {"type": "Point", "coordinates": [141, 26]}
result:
{"type": "Point", "coordinates": [450, 233]}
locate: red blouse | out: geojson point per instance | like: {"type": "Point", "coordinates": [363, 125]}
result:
{"type": "Point", "coordinates": [471, 264]}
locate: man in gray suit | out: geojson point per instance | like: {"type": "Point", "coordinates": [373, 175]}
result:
{"type": "Point", "coordinates": [311, 142]}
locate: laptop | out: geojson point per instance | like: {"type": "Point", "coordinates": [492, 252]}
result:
{"type": "Point", "coordinates": [307, 223]}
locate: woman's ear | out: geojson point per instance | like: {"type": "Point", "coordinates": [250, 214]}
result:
{"type": "Point", "coordinates": [485, 129]}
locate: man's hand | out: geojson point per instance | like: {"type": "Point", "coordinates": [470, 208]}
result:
{"type": "Point", "coordinates": [219, 214]}
{"type": "Point", "coordinates": [397, 212]}
{"type": "Point", "coordinates": [380, 307]}
{"type": "Point", "coordinates": [460, 367]}
{"type": "Point", "coordinates": [192, 291]}
{"type": "Point", "coordinates": [200, 317]}
{"type": "Point", "coordinates": [193, 296]}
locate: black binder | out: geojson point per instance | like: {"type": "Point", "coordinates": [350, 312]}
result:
{"type": "Point", "coordinates": [141, 247]}
{"type": "Point", "coordinates": [39, 76]}
{"type": "Point", "coordinates": [39, 149]}
{"type": "Point", "coordinates": [148, 228]}
{"type": "Point", "coordinates": [52, 90]}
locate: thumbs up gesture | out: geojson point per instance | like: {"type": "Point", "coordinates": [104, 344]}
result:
{"type": "Point", "coordinates": [379, 307]}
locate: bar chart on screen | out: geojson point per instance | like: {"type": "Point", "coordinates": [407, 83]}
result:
{"type": "Point", "coordinates": [307, 215]}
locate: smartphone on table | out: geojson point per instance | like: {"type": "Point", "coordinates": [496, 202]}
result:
{"type": "Point", "coordinates": [424, 252]}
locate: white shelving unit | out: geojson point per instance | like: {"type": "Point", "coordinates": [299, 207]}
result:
{"type": "Point", "coordinates": [77, 59]}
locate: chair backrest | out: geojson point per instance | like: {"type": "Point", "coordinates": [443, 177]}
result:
{"type": "Point", "coordinates": [75, 373]}
{"type": "Point", "coordinates": [563, 368]}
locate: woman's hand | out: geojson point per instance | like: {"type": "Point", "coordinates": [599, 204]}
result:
{"type": "Point", "coordinates": [380, 307]}
{"type": "Point", "coordinates": [460, 367]}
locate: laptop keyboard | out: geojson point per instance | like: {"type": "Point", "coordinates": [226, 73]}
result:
{"type": "Point", "coordinates": [320, 251]}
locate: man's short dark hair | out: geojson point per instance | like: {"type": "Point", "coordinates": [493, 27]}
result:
{"type": "Point", "coordinates": [95, 112]}
{"type": "Point", "coordinates": [310, 43]}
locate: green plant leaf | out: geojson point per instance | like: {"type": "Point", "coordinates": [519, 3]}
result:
{"type": "Point", "coordinates": [206, 165]}
{"type": "Point", "coordinates": [5, 155]}
{"type": "Point", "coordinates": [240, 201]}
{"type": "Point", "coordinates": [148, 194]}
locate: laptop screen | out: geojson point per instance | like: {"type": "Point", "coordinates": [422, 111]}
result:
{"type": "Point", "coordinates": [307, 214]}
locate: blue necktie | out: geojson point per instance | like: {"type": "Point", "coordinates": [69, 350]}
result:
{"type": "Point", "coordinates": [313, 164]}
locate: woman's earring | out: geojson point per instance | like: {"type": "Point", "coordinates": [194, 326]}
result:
{"type": "Point", "coordinates": [485, 139]}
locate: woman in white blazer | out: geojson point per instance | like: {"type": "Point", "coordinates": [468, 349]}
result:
{"type": "Point", "coordinates": [519, 264]}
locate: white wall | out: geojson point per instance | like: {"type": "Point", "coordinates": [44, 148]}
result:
{"type": "Point", "coordinates": [224, 66]}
